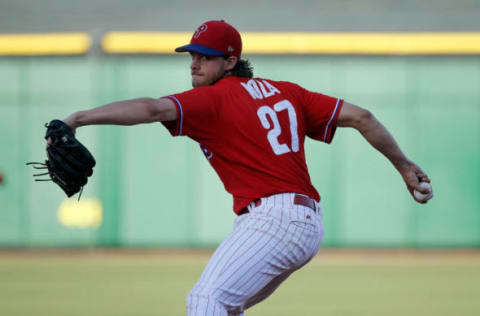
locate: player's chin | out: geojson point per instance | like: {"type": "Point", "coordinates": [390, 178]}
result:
{"type": "Point", "coordinates": [198, 81]}
{"type": "Point", "coordinates": [202, 80]}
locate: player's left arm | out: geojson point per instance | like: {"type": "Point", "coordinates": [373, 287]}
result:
{"type": "Point", "coordinates": [128, 112]}
{"type": "Point", "coordinates": [381, 139]}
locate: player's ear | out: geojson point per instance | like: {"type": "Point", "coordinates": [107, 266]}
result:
{"type": "Point", "coordinates": [230, 62]}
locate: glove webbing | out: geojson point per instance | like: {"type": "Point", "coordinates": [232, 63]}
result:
{"type": "Point", "coordinates": [36, 165]}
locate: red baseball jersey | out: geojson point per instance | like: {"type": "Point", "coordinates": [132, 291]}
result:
{"type": "Point", "coordinates": [253, 130]}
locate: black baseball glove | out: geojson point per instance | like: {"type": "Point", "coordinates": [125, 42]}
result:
{"type": "Point", "coordinates": [69, 163]}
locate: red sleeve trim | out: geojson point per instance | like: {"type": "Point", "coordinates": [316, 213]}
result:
{"type": "Point", "coordinates": [330, 129]}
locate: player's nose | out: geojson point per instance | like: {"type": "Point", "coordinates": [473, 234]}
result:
{"type": "Point", "coordinates": [195, 63]}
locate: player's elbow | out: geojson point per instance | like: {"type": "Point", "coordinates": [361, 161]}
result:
{"type": "Point", "coordinates": [364, 117]}
{"type": "Point", "coordinates": [361, 120]}
{"type": "Point", "coordinates": [354, 116]}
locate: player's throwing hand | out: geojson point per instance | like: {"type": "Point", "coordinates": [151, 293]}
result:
{"type": "Point", "coordinates": [413, 176]}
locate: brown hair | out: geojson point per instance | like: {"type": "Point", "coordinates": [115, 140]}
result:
{"type": "Point", "coordinates": [242, 68]}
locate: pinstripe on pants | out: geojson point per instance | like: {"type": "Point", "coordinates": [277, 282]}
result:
{"type": "Point", "coordinates": [267, 245]}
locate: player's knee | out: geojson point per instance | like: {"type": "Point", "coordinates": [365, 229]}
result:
{"type": "Point", "coordinates": [207, 302]}
{"type": "Point", "coordinates": [204, 303]}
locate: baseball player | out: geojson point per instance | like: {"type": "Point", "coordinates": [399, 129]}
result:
{"type": "Point", "coordinates": [252, 131]}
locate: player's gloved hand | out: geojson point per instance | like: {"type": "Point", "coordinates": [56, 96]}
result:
{"type": "Point", "coordinates": [413, 175]}
{"type": "Point", "coordinates": [69, 163]}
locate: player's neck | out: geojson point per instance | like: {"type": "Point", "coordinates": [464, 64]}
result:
{"type": "Point", "coordinates": [225, 75]}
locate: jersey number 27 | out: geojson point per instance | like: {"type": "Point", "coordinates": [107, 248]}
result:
{"type": "Point", "coordinates": [275, 130]}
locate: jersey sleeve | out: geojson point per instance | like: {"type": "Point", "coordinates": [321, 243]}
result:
{"type": "Point", "coordinates": [197, 113]}
{"type": "Point", "coordinates": [321, 113]}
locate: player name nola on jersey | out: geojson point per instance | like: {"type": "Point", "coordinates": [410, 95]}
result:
{"type": "Point", "coordinates": [260, 89]}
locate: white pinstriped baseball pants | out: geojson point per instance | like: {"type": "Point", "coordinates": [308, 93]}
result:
{"type": "Point", "coordinates": [267, 245]}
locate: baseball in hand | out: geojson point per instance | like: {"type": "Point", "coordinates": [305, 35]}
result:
{"type": "Point", "coordinates": [424, 197]}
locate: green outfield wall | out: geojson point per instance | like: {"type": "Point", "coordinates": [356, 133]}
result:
{"type": "Point", "coordinates": [151, 190]}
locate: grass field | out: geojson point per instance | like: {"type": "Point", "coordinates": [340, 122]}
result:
{"type": "Point", "coordinates": [336, 283]}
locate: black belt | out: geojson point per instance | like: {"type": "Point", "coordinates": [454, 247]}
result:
{"type": "Point", "coordinates": [297, 200]}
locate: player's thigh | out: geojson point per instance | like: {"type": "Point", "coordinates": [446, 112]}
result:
{"type": "Point", "coordinates": [247, 232]}
{"type": "Point", "coordinates": [222, 255]}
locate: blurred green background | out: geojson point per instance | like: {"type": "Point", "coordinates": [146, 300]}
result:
{"type": "Point", "coordinates": [160, 191]}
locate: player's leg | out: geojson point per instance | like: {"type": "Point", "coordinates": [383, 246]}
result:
{"type": "Point", "coordinates": [312, 247]}
{"type": "Point", "coordinates": [198, 301]}
{"type": "Point", "coordinates": [266, 246]}
{"type": "Point", "coordinates": [311, 227]}
{"type": "Point", "coordinates": [195, 299]}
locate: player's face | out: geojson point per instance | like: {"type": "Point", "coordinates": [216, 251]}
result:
{"type": "Point", "coordinates": [206, 70]}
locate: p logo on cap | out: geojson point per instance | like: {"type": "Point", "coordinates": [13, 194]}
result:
{"type": "Point", "coordinates": [202, 28]}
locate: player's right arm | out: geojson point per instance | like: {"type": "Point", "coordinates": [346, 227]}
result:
{"type": "Point", "coordinates": [128, 112]}
{"type": "Point", "coordinates": [381, 139]}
